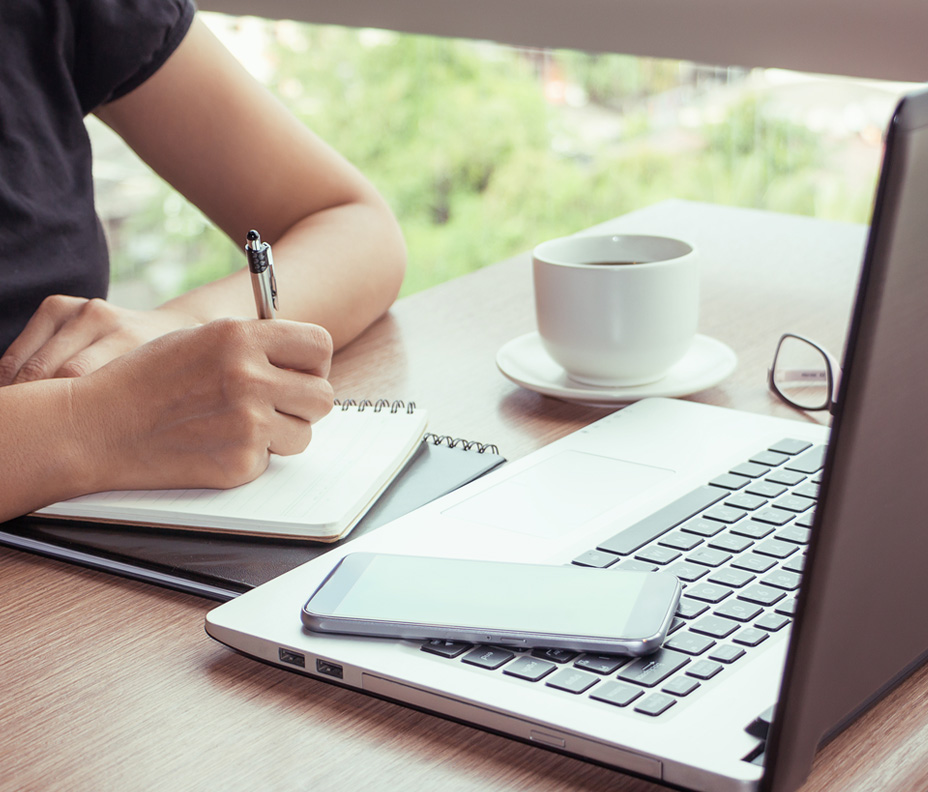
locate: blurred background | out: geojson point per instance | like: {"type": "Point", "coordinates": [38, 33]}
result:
{"type": "Point", "coordinates": [484, 150]}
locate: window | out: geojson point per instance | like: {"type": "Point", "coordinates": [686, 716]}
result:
{"type": "Point", "coordinates": [484, 150]}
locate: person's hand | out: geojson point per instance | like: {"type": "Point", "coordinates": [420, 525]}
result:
{"type": "Point", "coordinates": [72, 336]}
{"type": "Point", "coordinates": [205, 406]}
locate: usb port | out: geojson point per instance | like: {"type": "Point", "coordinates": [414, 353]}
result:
{"type": "Point", "coordinates": [329, 669]}
{"type": "Point", "coordinates": [293, 658]}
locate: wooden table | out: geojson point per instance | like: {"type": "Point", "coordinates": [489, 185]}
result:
{"type": "Point", "coordinates": [112, 684]}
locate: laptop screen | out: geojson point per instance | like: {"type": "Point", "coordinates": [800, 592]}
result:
{"type": "Point", "coordinates": [854, 637]}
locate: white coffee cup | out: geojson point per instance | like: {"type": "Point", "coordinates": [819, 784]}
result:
{"type": "Point", "coordinates": [616, 310]}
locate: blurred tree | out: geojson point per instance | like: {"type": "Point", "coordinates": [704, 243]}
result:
{"type": "Point", "coordinates": [462, 141]}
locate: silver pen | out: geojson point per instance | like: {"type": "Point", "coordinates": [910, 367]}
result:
{"type": "Point", "coordinates": [263, 282]}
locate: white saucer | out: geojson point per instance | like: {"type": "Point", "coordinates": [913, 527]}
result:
{"type": "Point", "coordinates": [525, 361]}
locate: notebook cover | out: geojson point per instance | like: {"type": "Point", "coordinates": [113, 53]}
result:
{"type": "Point", "coordinates": [221, 566]}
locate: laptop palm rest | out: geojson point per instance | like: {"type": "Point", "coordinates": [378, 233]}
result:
{"type": "Point", "coordinates": [559, 493]}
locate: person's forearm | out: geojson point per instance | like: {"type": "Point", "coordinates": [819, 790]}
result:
{"type": "Point", "coordinates": [44, 454]}
{"type": "Point", "coordinates": [340, 268]}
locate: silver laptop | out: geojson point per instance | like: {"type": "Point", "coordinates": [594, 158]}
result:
{"type": "Point", "coordinates": [780, 592]}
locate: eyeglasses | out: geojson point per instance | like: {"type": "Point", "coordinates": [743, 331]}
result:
{"type": "Point", "coordinates": [804, 374]}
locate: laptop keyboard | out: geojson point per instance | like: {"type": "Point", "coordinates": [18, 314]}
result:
{"type": "Point", "coordinates": [738, 546]}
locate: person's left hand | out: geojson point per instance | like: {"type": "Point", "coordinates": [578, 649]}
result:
{"type": "Point", "coordinates": [72, 336]}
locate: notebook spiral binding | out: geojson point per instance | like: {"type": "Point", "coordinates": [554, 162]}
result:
{"type": "Point", "coordinates": [377, 406]}
{"type": "Point", "coordinates": [398, 405]}
{"type": "Point", "coordinates": [457, 442]}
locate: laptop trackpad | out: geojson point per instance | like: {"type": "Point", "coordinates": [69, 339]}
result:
{"type": "Point", "coordinates": [557, 495]}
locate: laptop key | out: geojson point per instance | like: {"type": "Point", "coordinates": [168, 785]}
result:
{"type": "Point", "coordinates": [738, 610]}
{"type": "Point", "coordinates": [660, 522]}
{"type": "Point", "coordinates": [704, 669]}
{"type": "Point", "coordinates": [714, 626]}
{"type": "Point", "coordinates": [750, 636]}
{"type": "Point", "coordinates": [736, 578]}
{"type": "Point", "coordinates": [791, 446]}
{"type": "Point", "coordinates": [681, 541]}
{"type": "Point", "coordinates": [708, 592]}
{"type": "Point", "coordinates": [446, 648]}
{"type": "Point", "coordinates": [788, 477]}
{"type": "Point", "coordinates": [725, 514]}
{"type": "Point", "coordinates": [655, 704]}
{"type": "Point", "coordinates": [488, 657]}
{"type": "Point", "coordinates": [808, 490]}
{"type": "Point", "coordinates": [690, 608]}
{"type": "Point", "coordinates": [810, 461]}
{"type": "Point", "coordinates": [750, 469]}
{"type": "Point", "coordinates": [775, 548]}
{"type": "Point", "coordinates": [795, 564]}
{"type": "Point", "coordinates": [754, 563]}
{"type": "Point", "coordinates": [658, 555]}
{"type": "Point", "coordinates": [689, 643]}
{"type": "Point", "coordinates": [773, 516]}
{"type": "Point", "coordinates": [617, 693]}
{"type": "Point", "coordinates": [766, 489]}
{"type": "Point", "coordinates": [794, 534]}
{"type": "Point", "coordinates": [805, 520]}
{"type": "Point", "coordinates": [675, 625]}
{"type": "Point", "coordinates": [788, 581]}
{"type": "Point", "coordinates": [687, 572]}
{"type": "Point", "coordinates": [753, 530]}
{"type": "Point", "coordinates": [636, 566]}
{"type": "Point", "coordinates": [680, 686]}
{"type": "Point", "coordinates": [650, 671]}
{"type": "Point", "coordinates": [530, 668]}
{"type": "Point", "coordinates": [746, 501]}
{"type": "Point", "coordinates": [731, 543]}
{"type": "Point", "coordinates": [572, 681]}
{"type": "Point", "coordinates": [787, 607]}
{"type": "Point", "coordinates": [601, 664]}
{"type": "Point", "coordinates": [794, 503]}
{"type": "Point", "coordinates": [726, 653]}
{"type": "Point", "coordinates": [555, 655]}
{"type": "Point", "coordinates": [772, 622]}
{"type": "Point", "coordinates": [703, 527]}
{"type": "Point", "coordinates": [730, 481]}
{"type": "Point", "coordinates": [596, 558]}
{"type": "Point", "coordinates": [761, 594]}
{"type": "Point", "coordinates": [770, 458]}
{"type": "Point", "coordinates": [707, 557]}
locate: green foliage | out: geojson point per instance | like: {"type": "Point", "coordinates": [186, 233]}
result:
{"type": "Point", "coordinates": [460, 139]}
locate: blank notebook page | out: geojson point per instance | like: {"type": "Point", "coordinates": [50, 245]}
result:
{"type": "Point", "coordinates": [320, 493]}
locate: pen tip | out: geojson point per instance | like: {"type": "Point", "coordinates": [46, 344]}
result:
{"type": "Point", "coordinates": [253, 236]}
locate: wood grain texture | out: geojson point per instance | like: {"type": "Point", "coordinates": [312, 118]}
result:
{"type": "Point", "coordinates": [108, 684]}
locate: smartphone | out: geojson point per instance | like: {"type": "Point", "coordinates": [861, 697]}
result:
{"type": "Point", "coordinates": [495, 602]}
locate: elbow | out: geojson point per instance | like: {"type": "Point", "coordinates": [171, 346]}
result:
{"type": "Point", "coordinates": [391, 257]}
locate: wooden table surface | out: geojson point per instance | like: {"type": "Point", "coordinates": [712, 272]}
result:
{"type": "Point", "coordinates": [107, 683]}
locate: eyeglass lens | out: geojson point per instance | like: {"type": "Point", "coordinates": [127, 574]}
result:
{"type": "Point", "coordinates": [801, 374]}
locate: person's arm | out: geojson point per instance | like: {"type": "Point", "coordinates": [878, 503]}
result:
{"type": "Point", "coordinates": [199, 407]}
{"type": "Point", "coordinates": [213, 132]}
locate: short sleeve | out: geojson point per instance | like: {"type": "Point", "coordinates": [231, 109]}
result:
{"type": "Point", "coordinates": [118, 44]}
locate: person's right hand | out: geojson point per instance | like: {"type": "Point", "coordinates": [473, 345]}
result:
{"type": "Point", "coordinates": [204, 406]}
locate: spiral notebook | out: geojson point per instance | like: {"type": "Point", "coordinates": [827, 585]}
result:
{"type": "Point", "coordinates": [221, 566]}
{"type": "Point", "coordinates": [318, 495]}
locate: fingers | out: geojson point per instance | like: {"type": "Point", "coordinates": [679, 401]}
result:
{"type": "Point", "coordinates": [290, 435]}
{"type": "Point", "coordinates": [29, 357]}
{"type": "Point", "coordinates": [297, 346]}
{"type": "Point", "coordinates": [208, 404]}
{"type": "Point", "coordinates": [72, 336]}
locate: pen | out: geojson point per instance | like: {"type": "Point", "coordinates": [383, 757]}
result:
{"type": "Point", "coordinates": [263, 282]}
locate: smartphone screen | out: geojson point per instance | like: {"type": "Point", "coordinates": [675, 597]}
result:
{"type": "Point", "coordinates": [495, 602]}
